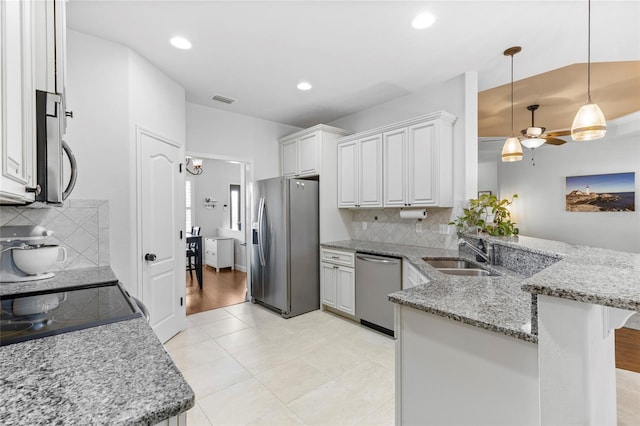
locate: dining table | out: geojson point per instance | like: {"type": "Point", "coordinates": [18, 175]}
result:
{"type": "Point", "coordinates": [195, 242]}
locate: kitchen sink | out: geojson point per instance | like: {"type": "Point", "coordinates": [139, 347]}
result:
{"type": "Point", "coordinates": [458, 267]}
{"type": "Point", "coordinates": [455, 263]}
{"type": "Point", "coordinates": [468, 272]}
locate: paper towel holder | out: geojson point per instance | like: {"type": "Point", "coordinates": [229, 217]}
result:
{"type": "Point", "coordinates": [413, 213]}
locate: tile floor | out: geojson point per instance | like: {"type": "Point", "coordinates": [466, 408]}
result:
{"type": "Point", "coordinates": [247, 365]}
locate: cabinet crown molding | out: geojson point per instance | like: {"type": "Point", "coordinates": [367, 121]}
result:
{"type": "Point", "coordinates": [444, 115]}
{"type": "Point", "coordinates": [317, 127]}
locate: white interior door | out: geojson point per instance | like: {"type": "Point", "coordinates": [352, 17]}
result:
{"type": "Point", "coordinates": [161, 221]}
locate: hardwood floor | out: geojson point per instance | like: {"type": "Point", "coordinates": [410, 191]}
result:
{"type": "Point", "coordinates": [219, 289]}
{"type": "Point", "coordinates": [628, 349]}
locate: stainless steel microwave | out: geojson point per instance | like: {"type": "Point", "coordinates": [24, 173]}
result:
{"type": "Point", "coordinates": [50, 148]}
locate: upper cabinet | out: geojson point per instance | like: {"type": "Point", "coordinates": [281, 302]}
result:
{"type": "Point", "coordinates": [360, 172]}
{"type": "Point", "coordinates": [50, 44]}
{"type": "Point", "coordinates": [302, 153]}
{"type": "Point", "coordinates": [32, 37]}
{"type": "Point", "coordinates": [17, 105]}
{"type": "Point", "coordinates": [415, 167]}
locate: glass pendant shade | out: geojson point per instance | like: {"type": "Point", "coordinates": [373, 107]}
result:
{"type": "Point", "coordinates": [533, 143]}
{"type": "Point", "coordinates": [589, 123]}
{"type": "Point", "coordinates": [511, 150]}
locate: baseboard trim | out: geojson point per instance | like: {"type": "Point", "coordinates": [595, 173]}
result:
{"type": "Point", "coordinates": [240, 268]}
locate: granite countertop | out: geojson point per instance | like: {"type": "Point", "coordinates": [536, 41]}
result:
{"type": "Point", "coordinates": [495, 303]}
{"type": "Point", "coordinates": [504, 303]}
{"type": "Point", "coordinates": [117, 373]}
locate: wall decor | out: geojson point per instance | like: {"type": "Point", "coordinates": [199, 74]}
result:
{"type": "Point", "coordinates": [613, 192]}
{"type": "Point", "coordinates": [484, 192]}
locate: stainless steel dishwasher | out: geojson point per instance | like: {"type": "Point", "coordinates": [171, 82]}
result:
{"type": "Point", "coordinates": [376, 277]}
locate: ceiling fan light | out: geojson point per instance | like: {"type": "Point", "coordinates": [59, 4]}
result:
{"type": "Point", "coordinates": [534, 131]}
{"type": "Point", "coordinates": [511, 150]}
{"type": "Point", "coordinates": [533, 143]}
{"type": "Point", "coordinates": [589, 123]}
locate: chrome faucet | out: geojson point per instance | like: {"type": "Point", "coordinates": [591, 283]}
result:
{"type": "Point", "coordinates": [489, 256]}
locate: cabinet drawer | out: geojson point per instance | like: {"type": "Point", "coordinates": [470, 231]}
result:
{"type": "Point", "coordinates": [338, 257]}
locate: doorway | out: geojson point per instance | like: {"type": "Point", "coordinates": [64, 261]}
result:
{"type": "Point", "coordinates": [216, 202]}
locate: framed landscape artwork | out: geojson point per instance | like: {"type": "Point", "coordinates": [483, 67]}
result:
{"type": "Point", "coordinates": [601, 193]}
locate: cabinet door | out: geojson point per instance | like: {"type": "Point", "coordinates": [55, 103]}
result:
{"type": "Point", "coordinates": [17, 108]}
{"type": "Point", "coordinates": [346, 290]}
{"type": "Point", "coordinates": [394, 146]}
{"type": "Point", "coordinates": [309, 154]}
{"type": "Point", "coordinates": [289, 158]}
{"type": "Point", "coordinates": [348, 174]}
{"type": "Point", "coordinates": [328, 280]}
{"type": "Point", "coordinates": [423, 165]}
{"type": "Point", "coordinates": [370, 172]}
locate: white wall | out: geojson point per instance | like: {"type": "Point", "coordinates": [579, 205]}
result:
{"type": "Point", "coordinates": [221, 133]}
{"type": "Point", "coordinates": [540, 208]}
{"type": "Point", "coordinates": [98, 134]}
{"type": "Point", "coordinates": [111, 89]}
{"type": "Point", "coordinates": [213, 182]}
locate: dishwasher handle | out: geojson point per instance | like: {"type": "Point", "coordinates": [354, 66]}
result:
{"type": "Point", "coordinates": [378, 260]}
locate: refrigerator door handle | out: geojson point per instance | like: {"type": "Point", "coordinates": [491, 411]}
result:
{"type": "Point", "coordinates": [260, 231]}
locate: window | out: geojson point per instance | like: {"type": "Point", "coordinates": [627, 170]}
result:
{"type": "Point", "coordinates": [188, 193]}
{"type": "Point", "coordinates": [235, 220]}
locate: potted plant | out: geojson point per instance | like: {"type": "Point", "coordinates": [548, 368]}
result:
{"type": "Point", "coordinates": [487, 214]}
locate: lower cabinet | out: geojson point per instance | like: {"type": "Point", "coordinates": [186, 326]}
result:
{"type": "Point", "coordinates": [338, 280]}
{"type": "Point", "coordinates": [411, 277]}
{"type": "Point", "coordinates": [218, 252]}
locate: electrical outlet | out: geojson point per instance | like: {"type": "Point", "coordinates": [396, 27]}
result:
{"type": "Point", "coordinates": [364, 226]}
{"type": "Point", "coordinates": [419, 227]}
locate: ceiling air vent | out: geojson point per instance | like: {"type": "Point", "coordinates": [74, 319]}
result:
{"type": "Point", "coordinates": [223, 99]}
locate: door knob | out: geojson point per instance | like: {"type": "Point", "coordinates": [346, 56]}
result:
{"type": "Point", "coordinates": [150, 257]}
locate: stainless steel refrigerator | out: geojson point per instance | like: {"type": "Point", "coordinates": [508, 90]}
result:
{"type": "Point", "coordinates": [285, 259]}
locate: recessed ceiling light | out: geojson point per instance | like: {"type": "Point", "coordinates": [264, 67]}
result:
{"type": "Point", "coordinates": [180, 43]}
{"type": "Point", "coordinates": [422, 21]}
{"type": "Point", "coordinates": [303, 85]}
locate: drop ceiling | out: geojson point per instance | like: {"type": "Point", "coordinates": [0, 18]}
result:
{"type": "Point", "coordinates": [356, 54]}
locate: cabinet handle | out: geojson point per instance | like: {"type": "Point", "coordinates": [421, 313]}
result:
{"type": "Point", "coordinates": [335, 257]}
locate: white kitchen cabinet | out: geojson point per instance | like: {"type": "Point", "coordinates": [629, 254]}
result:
{"type": "Point", "coordinates": [300, 156]}
{"type": "Point", "coordinates": [17, 105]}
{"type": "Point", "coordinates": [411, 277]}
{"type": "Point", "coordinates": [338, 280]}
{"type": "Point", "coordinates": [218, 252]}
{"type": "Point", "coordinates": [418, 164]}
{"type": "Point", "coordinates": [360, 172]}
{"type": "Point", "coordinates": [50, 46]}
{"type": "Point", "coordinates": [417, 156]}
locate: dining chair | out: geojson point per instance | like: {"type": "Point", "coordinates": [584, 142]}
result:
{"type": "Point", "coordinates": [191, 252]}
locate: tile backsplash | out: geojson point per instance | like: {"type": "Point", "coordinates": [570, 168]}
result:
{"type": "Point", "coordinates": [386, 226]}
{"type": "Point", "coordinates": [81, 226]}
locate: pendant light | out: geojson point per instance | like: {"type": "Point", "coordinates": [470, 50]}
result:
{"type": "Point", "coordinates": [512, 150]}
{"type": "Point", "coordinates": [589, 123]}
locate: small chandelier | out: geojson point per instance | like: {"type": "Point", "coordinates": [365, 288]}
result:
{"type": "Point", "coordinates": [196, 163]}
{"type": "Point", "coordinates": [512, 150]}
{"type": "Point", "coordinates": [589, 123]}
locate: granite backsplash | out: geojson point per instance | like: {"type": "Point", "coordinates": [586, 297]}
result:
{"type": "Point", "coordinates": [81, 226]}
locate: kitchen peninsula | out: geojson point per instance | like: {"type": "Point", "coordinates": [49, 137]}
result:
{"type": "Point", "coordinates": [533, 345]}
{"type": "Point", "coordinates": [117, 373]}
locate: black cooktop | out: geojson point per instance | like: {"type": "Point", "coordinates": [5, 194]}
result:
{"type": "Point", "coordinates": [45, 313]}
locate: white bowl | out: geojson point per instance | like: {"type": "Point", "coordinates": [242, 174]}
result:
{"type": "Point", "coordinates": [33, 260]}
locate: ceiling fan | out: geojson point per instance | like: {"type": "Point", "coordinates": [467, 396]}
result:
{"type": "Point", "coordinates": [534, 137]}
